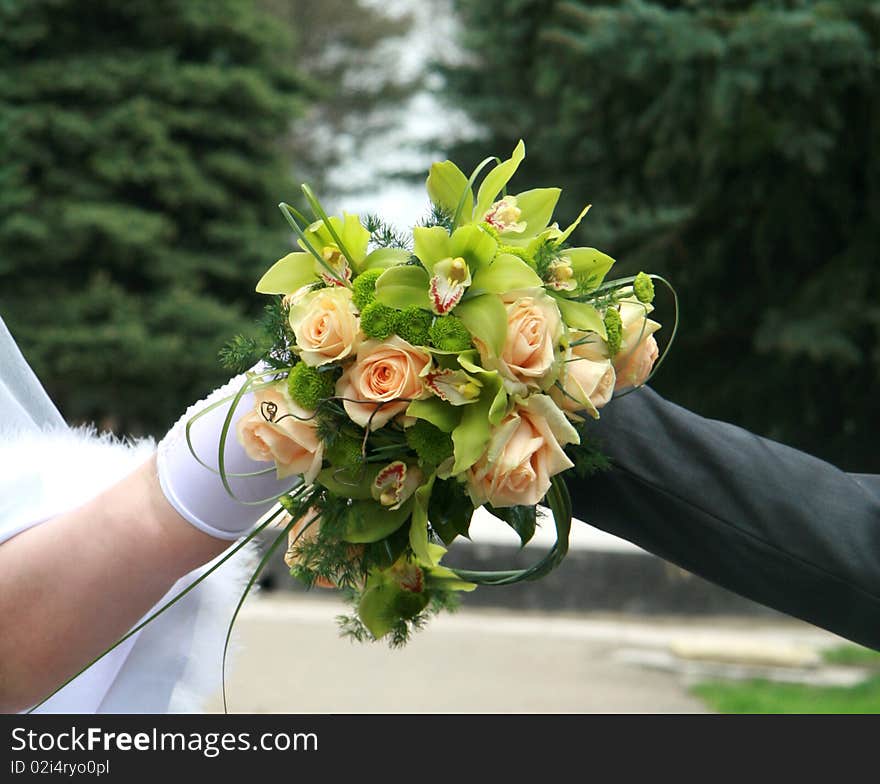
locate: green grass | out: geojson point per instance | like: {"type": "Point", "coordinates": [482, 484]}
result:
{"type": "Point", "coordinates": [759, 696]}
{"type": "Point", "coordinates": [853, 656]}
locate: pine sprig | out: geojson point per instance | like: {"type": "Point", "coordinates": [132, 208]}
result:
{"type": "Point", "coordinates": [587, 457]}
{"type": "Point", "coordinates": [352, 627]}
{"type": "Point", "coordinates": [270, 343]}
{"type": "Point", "coordinates": [438, 217]}
{"type": "Point", "coordinates": [384, 235]}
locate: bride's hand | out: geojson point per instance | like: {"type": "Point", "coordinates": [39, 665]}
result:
{"type": "Point", "coordinates": [74, 584]}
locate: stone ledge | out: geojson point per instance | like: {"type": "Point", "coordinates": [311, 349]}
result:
{"type": "Point", "coordinates": [618, 580]}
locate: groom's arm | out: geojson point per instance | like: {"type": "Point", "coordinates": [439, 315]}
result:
{"type": "Point", "coordinates": [754, 516]}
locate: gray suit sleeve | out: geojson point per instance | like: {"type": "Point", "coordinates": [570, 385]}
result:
{"type": "Point", "coordinates": [761, 519]}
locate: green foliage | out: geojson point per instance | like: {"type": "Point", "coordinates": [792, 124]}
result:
{"type": "Point", "coordinates": [309, 386]}
{"type": "Point", "coordinates": [378, 321]}
{"type": "Point", "coordinates": [384, 235]}
{"type": "Point", "coordinates": [139, 172]}
{"type": "Point", "coordinates": [448, 333]}
{"type": "Point", "coordinates": [438, 601]}
{"type": "Point", "coordinates": [429, 442]}
{"type": "Point", "coordinates": [587, 456]}
{"type": "Point", "coordinates": [363, 288]}
{"type": "Point", "coordinates": [731, 147]}
{"type": "Point", "coordinates": [412, 324]}
{"type": "Point", "coordinates": [522, 519]}
{"type": "Point", "coordinates": [450, 510]}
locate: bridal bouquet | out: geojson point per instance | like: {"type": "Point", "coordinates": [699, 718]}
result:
{"type": "Point", "coordinates": [408, 380]}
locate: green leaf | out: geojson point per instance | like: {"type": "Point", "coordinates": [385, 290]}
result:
{"type": "Point", "coordinates": [486, 319]}
{"type": "Point", "coordinates": [580, 315]}
{"type": "Point", "coordinates": [376, 609]}
{"type": "Point", "coordinates": [403, 287]}
{"type": "Point", "coordinates": [287, 275]}
{"type": "Point", "coordinates": [496, 179]}
{"type": "Point", "coordinates": [367, 521]}
{"type": "Point", "coordinates": [450, 510]}
{"type": "Point", "coordinates": [446, 185]}
{"type": "Point", "coordinates": [440, 414]}
{"type": "Point", "coordinates": [588, 264]}
{"type": "Point", "coordinates": [471, 437]}
{"type": "Point", "coordinates": [381, 258]}
{"type": "Point", "coordinates": [475, 245]}
{"type": "Point", "coordinates": [506, 273]}
{"type": "Point", "coordinates": [349, 484]}
{"type": "Point", "coordinates": [355, 236]}
{"type": "Point", "coordinates": [522, 519]}
{"type": "Point", "coordinates": [446, 580]}
{"type": "Point", "coordinates": [567, 233]}
{"type": "Point", "coordinates": [431, 244]}
{"type": "Point", "coordinates": [418, 531]}
{"type": "Point", "coordinates": [536, 209]}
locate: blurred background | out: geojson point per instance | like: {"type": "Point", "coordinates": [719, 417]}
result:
{"type": "Point", "coordinates": [727, 144]}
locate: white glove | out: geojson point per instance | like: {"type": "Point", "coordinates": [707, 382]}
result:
{"type": "Point", "coordinates": [197, 492]}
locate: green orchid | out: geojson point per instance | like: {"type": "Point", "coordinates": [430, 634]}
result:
{"type": "Point", "coordinates": [514, 218]}
{"type": "Point", "coordinates": [403, 590]}
{"type": "Point", "coordinates": [334, 250]}
{"type": "Point", "coordinates": [520, 222]}
{"type": "Point", "coordinates": [448, 262]}
{"type": "Point", "coordinates": [454, 386]}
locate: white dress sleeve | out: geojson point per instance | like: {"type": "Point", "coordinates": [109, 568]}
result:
{"type": "Point", "coordinates": [173, 664]}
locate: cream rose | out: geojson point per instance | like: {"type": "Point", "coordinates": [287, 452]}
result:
{"type": "Point", "coordinates": [587, 382]}
{"type": "Point", "coordinates": [525, 451]}
{"type": "Point", "coordinates": [271, 431]}
{"type": "Point", "coordinates": [383, 373]}
{"type": "Point", "coordinates": [634, 368]}
{"type": "Point", "coordinates": [325, 326]}
{"type": "Point", "coordinates": [534, 329]}
{"type": "Point", "coordinates": [638, 347]}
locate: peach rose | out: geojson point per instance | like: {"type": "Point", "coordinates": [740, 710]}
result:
{"type": "Point", "coordinates": [325, 326]}
{"type": "Point", "coordinates": [587, 383]}
{"type": "Point", "coordinates": [271, 431]}
{"type": "Point", "coordinates": [634, 368]}
{"type": "Point", "coordinates": [534, 329]}
{"type": "Point", "coordinates": [638, 347]}
{"type": "Point", "coordinates": [299, 535]}
{"type": "Point", "coordinates": [383, 372]}
{"type": "Point", "coordinates": [525, 451]}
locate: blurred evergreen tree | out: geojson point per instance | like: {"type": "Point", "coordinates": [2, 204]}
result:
{"type": "Point", "coordinates": [343, 47]}
{"type": "Point", "coordinates": [140, 169]}
{"type": "Point", "coordinates": [731, 145]}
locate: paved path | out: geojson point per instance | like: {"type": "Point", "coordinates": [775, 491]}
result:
{"type": "Point", "coordinates": [292, 661]}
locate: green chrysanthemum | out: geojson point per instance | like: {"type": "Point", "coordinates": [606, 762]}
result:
{"type": "Point", "coordinates": [429, 442]}
{"type": "Point", "coordinates": [378, 320]}
{"type": "Point", "coordinates": [520, 253]}
{"type": "Point", "coordinates": [450, 334]}
{"type": "Point", "coordinates": [363, 288]}
{"type": "Point", "coordinates": [345, 451]}
{"type": "Point", "coordinates": [643, 287]}
{"type": "Point", "coordinates": [308, 386]}
{"type": "Point", "coordinates": [413, 325]}
{"type": "Point", "coordinates": [614, 329]}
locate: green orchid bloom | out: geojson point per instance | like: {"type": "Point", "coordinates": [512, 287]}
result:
{"type": "Point", "coordinates": [520, 222]}
{"type": "Point", "coordinates": [448, 262]}
{"type": "Point", "coordinates": [514, 218]}
{"type": "Point", "coordinates": [403, 590]}
{"type": "Point", "coordinates": [334, 250]}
